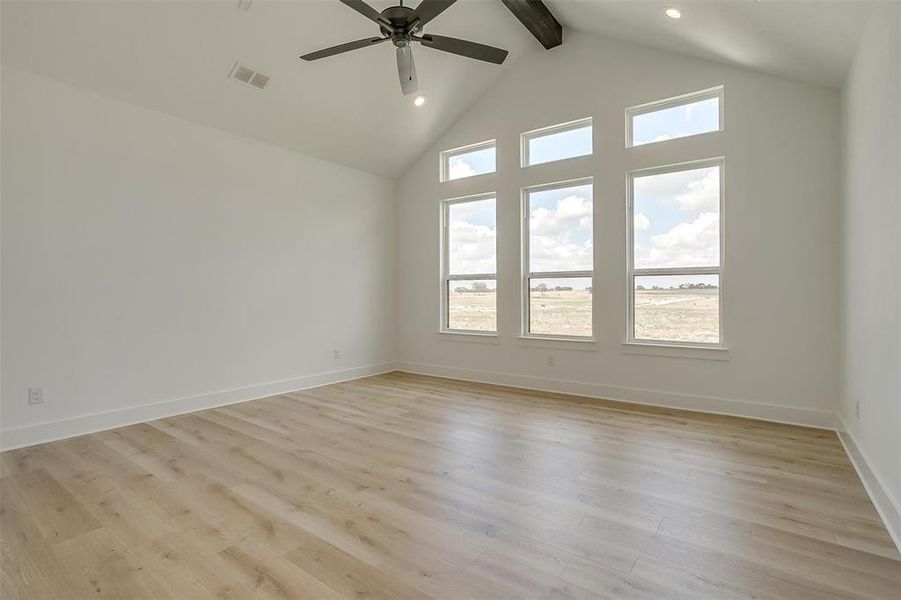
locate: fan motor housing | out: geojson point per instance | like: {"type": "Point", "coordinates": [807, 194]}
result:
{"type": "Point", "coordinates": [398, 16]}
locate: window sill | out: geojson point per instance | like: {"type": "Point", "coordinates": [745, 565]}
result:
{"type": "Point", "coordinates": [469, 336]}
{"type": "Point", "coordinates": [676, 350]}
{"type": "Point", "coordinates": [557, 343]}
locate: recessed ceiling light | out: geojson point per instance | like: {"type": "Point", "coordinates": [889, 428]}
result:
{"type": "Point", "coordinates": [673, 13]}
{"type": "Point", "coordinates": [418, 100]}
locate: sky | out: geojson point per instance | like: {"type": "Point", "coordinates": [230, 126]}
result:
{"type": "Point", "coordinates": [677, 219]}
{"type": "Point", "coordinates": [676, 216]}
{"type": "Point", "coordinates": [676, 122]}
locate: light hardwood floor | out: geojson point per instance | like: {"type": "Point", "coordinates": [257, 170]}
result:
{"type": "Point", "coordinates": [402, 486]}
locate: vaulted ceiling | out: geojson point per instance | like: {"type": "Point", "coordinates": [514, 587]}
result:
{"type": "Point", "coordinates": [175, 57]}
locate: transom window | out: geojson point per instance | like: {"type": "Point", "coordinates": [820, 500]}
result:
{"type": "Point", "coordinates": [469, 257]}
{"type": "Point", "coordinates": [683, 116]}
{"type": "Point", "coordinates": [558, 259]}
{"type": "Point", "coordinates": [675, 266]}
{"type": "Point", "coordinates": [558, 142]}
{"type": "Point", "coordinates": [476, 159]}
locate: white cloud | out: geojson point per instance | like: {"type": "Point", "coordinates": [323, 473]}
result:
{"type": "Point", "coordinates": [550, 254]}
{"type": "Point", "coordinates": [641, 222]}
{"type": "Point", "coordinates": [472, 248]}
{"type": "Point", "coordinates": [458, 168]}
{"type": "Point", "coordinates": [692, 244]}
{"type": "Point", "coordinates": [560, 238]}
{"type": "Point", "coordinates": [702, 193]}
{"type": "Point", "coordinates": [558, 221]}
{"type": "Point", "coordinates": [692, 191]}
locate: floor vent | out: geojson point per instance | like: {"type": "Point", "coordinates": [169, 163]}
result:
{"type": "Point", "coordinates": [245, 74]}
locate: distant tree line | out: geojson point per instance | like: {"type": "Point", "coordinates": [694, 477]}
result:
{"type": "Point", "coordinates": [477, 287]}
{"type": "Point", "coordinates": [682, 286]}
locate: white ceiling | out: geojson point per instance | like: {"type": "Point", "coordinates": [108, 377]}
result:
{"type": "Point", "coordinates": [175, 57]}
{"type": "Point", "coordinates": [808, 40]}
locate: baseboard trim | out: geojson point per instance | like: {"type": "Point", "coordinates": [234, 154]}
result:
{"type": "Point", "coordinates": [888, 507]}
{"type": "Point", "coordinates": [39, 433]}
{"type": "Point", "coordinates": [806, 417]}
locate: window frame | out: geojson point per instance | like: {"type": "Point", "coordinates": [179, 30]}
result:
{"type": "Point", "coordinates": [526, 137]}
{"type": "Point", "coordinates": [528, 275]}
{"type": "Point", "coordinates": [445, 155]}
{"type": "Point", "coordinates": [632, 272]}
{"type": "Point", "coordinates": [681, 100]}
{"type": "Point", "coordinates": [445, 275]}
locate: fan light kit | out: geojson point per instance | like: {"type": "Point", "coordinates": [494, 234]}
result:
{"type": "Point", "coordinates": [401, 26]}
{"type": "Point", "coordinates": [673, 13]}
{"type": "Point", "coordinates": [418, 100]}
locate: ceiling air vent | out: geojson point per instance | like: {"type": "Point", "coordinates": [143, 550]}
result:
{"type": "Point", "coordinates": [245, 74]}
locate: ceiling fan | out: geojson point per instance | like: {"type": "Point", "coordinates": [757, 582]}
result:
{"type": "Point", "coordinates": [401, 26]}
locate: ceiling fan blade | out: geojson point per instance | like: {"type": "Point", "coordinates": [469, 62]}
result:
{"type": "Point", "coordinates": [406, 70]}
{"type": "Point", "coordinates": [368, 12]}
{"type": "Point", "coordinates": [428, 10]}
{"type": "Point", "coordinates": [464, 48]}
{"type": "Point", "coordinates": [343, 48]}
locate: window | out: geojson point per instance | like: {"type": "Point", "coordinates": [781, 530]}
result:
{"type": "Point", "coordinates": [558, 259]}
{"type": "Point", "coordinates": [469, 257]}
{"type": "Point", "coordinates": [468, 161]}
{"type": "Point", "coordinates": [675, 266]}
{"type": "Point", "coordinates": [557, 143]}
{"type": "Point", "coordinates": [700, 112]}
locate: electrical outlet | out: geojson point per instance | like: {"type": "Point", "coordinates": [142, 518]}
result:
{"type": "Point", "coordinates": [35, 395]}
{"type": "Point", "coordinates": [337, 354]}
{"type": "Point", "coordinates": [551, 360]}
{"type": "Point", "coordinates": [857, 410]}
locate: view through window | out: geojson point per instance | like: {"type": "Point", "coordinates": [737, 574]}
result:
{"type": "Point", "coordinates": [675, 275]}
{"type": "Point", "coordinates": [560, 262]}
{"type": "Point", "coordinates": [470, 249]}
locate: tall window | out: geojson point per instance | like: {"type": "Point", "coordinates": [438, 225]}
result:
{"type": "Point", "coordinates": [469, 258]}
{"type": "Point", "coordinates": [675, 267]}
{"type": "Point", "coordinates": [558, 259]}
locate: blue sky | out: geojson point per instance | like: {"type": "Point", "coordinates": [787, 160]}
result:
{"type": "Point", "coordinates": [676, 122]}
{"type": "Point", "coordinates": [566, 144]}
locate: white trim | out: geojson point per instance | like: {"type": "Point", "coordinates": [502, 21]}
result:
{"type": "Point", "coordinates": [556, 342]}
{"type": "Point", "coordinates": [445, 155]}
{"type": "Point", "coordinates": [477, 337]}
{"type": "Point", "coordinates": [676, 350]}
{"type": "Point", "coordinates": [525, 138]}
{"type": "Point", "coordinates": [888, 507]}
{"type": "Point", "coordinates": [632, 272]}
{"type": "Point", "coordinates": [681, 100]}
{"type": "Point", "coordinates": [792, 415]}
{"type": "Point", "coordinates": [49, 431]}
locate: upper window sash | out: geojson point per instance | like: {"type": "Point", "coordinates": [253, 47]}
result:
{"type": "Point", "coordinates": [483, 160]}
{"type": "Point", "coordinates": [574, 149]}
{"type": "Point", "coordinates": [669, 103]}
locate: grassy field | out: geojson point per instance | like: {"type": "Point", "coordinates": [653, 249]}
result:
{"type": "Point", "coordinates": [669, 315]}
{"type": "Point", "coordinates": [677, 315]}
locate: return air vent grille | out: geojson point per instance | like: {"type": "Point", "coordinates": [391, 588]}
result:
{"type": "Point", "coordinates": [249, 76]}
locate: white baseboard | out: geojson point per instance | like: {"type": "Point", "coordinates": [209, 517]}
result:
{"type": "Point", "coordinates": [723, 406]}
{"type": "Point", "coordinates": [49, 431]}
{"type": "Point", "coordinates": [888, 507]}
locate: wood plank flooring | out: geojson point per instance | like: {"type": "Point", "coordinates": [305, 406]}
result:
{"type": "Point", "coordinates": [403, 486]}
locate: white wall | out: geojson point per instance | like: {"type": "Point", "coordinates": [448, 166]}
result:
{"type": "Point", "coordinates": [148, 259]}
{"type": "Point", "coordinates": [872, 258]}
{"type": "Point", "coordinates": [782, 252]}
